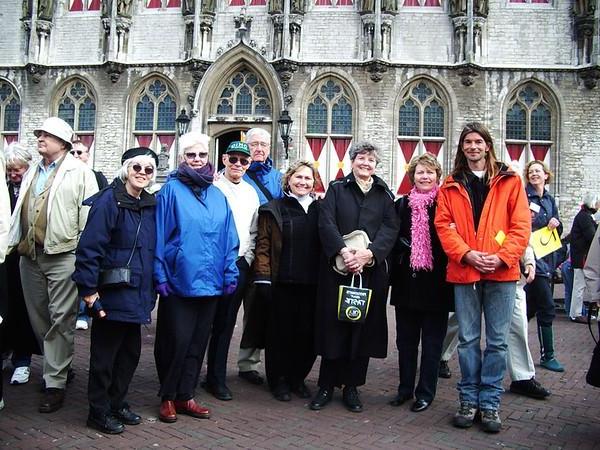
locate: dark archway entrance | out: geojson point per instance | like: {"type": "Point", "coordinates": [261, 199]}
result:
{"type": "Point", "coordinates": [222, 141]}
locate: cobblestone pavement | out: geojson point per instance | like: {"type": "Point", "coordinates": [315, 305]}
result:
{"type": "Point", "coordinates": [568, 419]}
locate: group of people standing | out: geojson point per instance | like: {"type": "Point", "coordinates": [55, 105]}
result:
{"type": "Point", "coordinates": [209, 242]}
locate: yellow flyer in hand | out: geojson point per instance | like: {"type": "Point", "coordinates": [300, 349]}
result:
{"type": "Point", "coordinates": [545, 241]}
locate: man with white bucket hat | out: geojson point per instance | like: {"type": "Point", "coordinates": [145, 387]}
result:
{"type": "Point", "coordinates": [45, 228]}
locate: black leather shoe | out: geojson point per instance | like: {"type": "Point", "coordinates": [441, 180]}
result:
{"type": "Point", "coordinates": [127, 416]}
{"type": "Point", "coordinates": [323, 397]}
{"type": "Point", "coordinates": [282, 391]}
{"type": "Point", "coordinates": [419, 405]}
{"type": "Point", "coordinates": [105, 424]}
{"type": "Point", "coordinates": [444, 370]}
{"type": "Point", "coordinates": [400, 399]}
{"type": "Point", "coordinates": [302, 390]}
{"type": "Point", "coordinates": [351, 399]}
{"type": "Point", "coordinates": [52, 400]}
{"type": "Point", "coordinates": [252, 376]}
{"type": "Point", "coordinates": [220, 392]}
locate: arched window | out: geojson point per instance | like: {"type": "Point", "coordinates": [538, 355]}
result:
{"type": "Point", "coordinates": [77, 107]}
{"type": "Point", "coordinates": [10, 113]}
{"type": "Point", "coordinates": [530, 125]}
{"type": "Point", "coordinates": [422, 127]}
{"type": "Point", "coordinates": [329, 128]}
{"type": "Point", "coordinates": [155, 110]}
{"type": "Point", "coordinates": [244, 94]}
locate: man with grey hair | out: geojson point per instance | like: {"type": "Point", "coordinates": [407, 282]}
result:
{"type": "Point", "coordinates": [266, 181]}
{"type": "Point", "coordinates": [45, 228]}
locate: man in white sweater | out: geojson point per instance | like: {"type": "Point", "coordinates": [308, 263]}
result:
{"type": "Point", "coordinates": [244, 204]}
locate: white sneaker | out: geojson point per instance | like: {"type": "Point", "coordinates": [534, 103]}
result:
{"type": "Point", "coordinates": [81, 324]}
{"type": "Point", "coordinates": [20, 375]}
{"type": "Point", "coordinates": [1, 404]}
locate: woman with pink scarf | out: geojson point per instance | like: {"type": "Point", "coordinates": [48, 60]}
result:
{"type": "Point", "coordinates": [420, 294]}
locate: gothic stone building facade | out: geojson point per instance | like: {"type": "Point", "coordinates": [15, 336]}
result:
{"type": "Point", "coordinates": [404, 74]}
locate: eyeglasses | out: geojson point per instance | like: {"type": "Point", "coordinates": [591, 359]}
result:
{"type": "Point", "coordinates": [259, 144]}
{"type": "Point", "coordinates": [193, 155]}
{"type": "Point", "coordinates": [235, 159]}
{"type": "Point", "coordinates": [148, 170]}
{"type": "Point", "coordinates": [79, 152]}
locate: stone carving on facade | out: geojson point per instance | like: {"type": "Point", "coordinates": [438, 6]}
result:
{"type": "Point", "coordinates": [590, 77]}
{"type": "Point", "coordinates": [277, 42]}
{"type": "Point", "coordinates": [295, 36]}
{"type": "Point", "coordinates": [123, 24]}
{"type": "Point", "coordinates": [187, 7]}
{"type": "Point", "coordinates": [285, 70]}
{"type": "Point", "coordinates": [208, 6]}
{"type": "Point", "coordinates": [45, 10]}
{"type": "Point", "coordinates": [114, 70]}
{"type": "Point", "coordinates": [377, 70]}
{"type": "Point", "coordinates": [467, 75]}
{"type": "Point", "coordinates": [584, 7]}
{"type": "Point", "coordinates": [459, 8]}
{"type": "Point", "coordinates": [368, 40]}
{"type": "Point", "coordinates": [243, 22]}
{"type": "Point", "coordinates": [584, 24]}
{"type": "Point", "coordinates": [36, 72]}
{"type": "Point", "coordinates": [124, 8]}
{"type": "Point", "coordinates": [460, 38]}
{"type": "Point", "coordinates": [389, 6]}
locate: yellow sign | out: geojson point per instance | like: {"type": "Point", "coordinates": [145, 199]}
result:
{"type": "Point", "coordinates": [545, 241]}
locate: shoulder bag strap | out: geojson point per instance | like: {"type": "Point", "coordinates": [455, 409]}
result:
{"type": "Point", "coordinates": [137, 233]}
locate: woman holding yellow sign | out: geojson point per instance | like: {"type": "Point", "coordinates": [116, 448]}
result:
{"type": "Point", "coordinates": [540, 302]}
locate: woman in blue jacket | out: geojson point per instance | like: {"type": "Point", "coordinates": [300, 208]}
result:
{"type": "Point", "coordinates": [195, 264]}
{"type": "Point", "coordinates": [120, 233]}
{"type": "Point", "coordinates": [540, 301]}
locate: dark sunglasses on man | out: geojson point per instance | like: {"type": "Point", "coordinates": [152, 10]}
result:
{"type": "Point", "coordinates": [148, 170]}
{"type": "Point", "coordinates": [235, 159]}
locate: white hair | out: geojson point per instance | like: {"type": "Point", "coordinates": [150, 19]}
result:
{"type": "Point", "coordinates": [17, 154]}
{"type": "Point", "coordinates": [590, 199]}
{"type": "Point", "coordinates": [192, 138]}
{"type": "Point", "coordinates": [143, 160]}
{"type": "Point", "coordinates": [258, 131]}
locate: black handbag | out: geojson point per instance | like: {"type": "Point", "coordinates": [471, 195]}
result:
{"type": "Point", "coordinates": [593, 374]}
{"type": "Point", "coordinates": [119, 276]}
{"type": "Point", "coordinates": [353, 302]}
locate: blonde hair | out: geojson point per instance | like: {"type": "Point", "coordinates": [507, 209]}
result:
{"type": "Point", "coordinates": [16, 154]}
{"type": "Point", "coordinates": [426, 159]}
{"type": "Point", "coordinates": [545, 168]}
{"type": "Point", "coordinates": [295, 167]}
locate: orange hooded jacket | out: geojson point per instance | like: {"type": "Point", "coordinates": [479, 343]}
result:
{"type": "Point", "coordinates": [504, 227]}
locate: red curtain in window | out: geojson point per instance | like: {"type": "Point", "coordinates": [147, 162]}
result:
{"type": "Point", "coordinates": [323, 2]}
{"type": "Point", "coordinates": [153, 4]}
{"type": "Point", "coordinates": [144, 140]}
{"type": "Point", "coordinates": [540, 1]}
{"type": "Point", "coordinates": [258, 2]}
{"type": "Point", "coordinates": [166, 140]}
{"type": "Point", "coordinates": [432, 3]}
{"type": "Point", "coordinates": [345, 3]}
{"type": "Point", "coordinates": [411, 3]}
{"type": "Point", "coordinates": [433, 147]}
{"type": "Point", "coordinates": [408, 150]}
{"type": "Point", "coordinates": [518, 1]}
{"type": "Point", "coordinates": [341, 146]}
{"type": "Point", "coordinates": [10, 138]}
{"type": "Point", "coordinates": [76, 5]}
{"type": "Point", "coordinates": [174, 4]}
{"type": "Point", "coordinates": [515, 151]}
{"type": "Point", "coordinates": [316, 147]}
{"type": "Point", "coordinates": [539, 152]}
{"type": "Point", "coordinates": [236, 3]}
{"type": "Point", "coordinates": [94, 5]}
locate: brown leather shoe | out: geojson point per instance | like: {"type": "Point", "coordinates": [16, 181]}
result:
{"type": "Point", "coordinates": [167, 412]}
{"type": "Point", "coordinates": [52, 400]}
{"type": "Point", "coordinates": [191, 408]}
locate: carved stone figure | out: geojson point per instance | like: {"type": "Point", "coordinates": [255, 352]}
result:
{"type": "Point", "coordinates": [46, 9]}
{"type": "Point", "coordinates": [297, 7]}
{"type": "Point", "coordinates": [389, 5]}
{"type": "Point", "coordinates": [480, 8]}
{"type": "Point", "coordinates": [368, 6]}
{"type": "Point", "coordinates": [584, 7]}
{"type": "Point", "coordinates": [458, 7]}
{"type": "Point", "coordinates": [124, 8]}
{"type": "Point", "coordinates": [187, 7]}
{"type": "Point", "coordinates": [27, 9]}
{"type": "Point", "coordinates": [106, 8]}
{"type": "Point", "coordinates": [208, 6]}
{"type": "Point", "coordinates": [275, 6]}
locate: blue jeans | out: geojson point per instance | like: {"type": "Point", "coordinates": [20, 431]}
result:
{"type": "Point", "coordinates": [82, 311]}
{"type": "Point", "coordinates": [481, 382]}
{"type": "Point", "coordinates": [567, 275]}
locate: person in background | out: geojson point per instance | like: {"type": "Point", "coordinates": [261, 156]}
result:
{"type": "Point", "coordinates": [197, 248]}
{"type": "Point", "coordinates": [286, 271]}
{"type": "Point", "coordinates": [359, 201]}
{"type": "Point", "coordinates": [243, 201]}
{"type": "Point", "coordinates": [540, 301]}
{"type": "Point", "coordinates": [420, 293]}
{"type": "Point", "coordinates": [582, 233]}
{"type": "Point", "coordinates": [4, 228]}
{"type": "Point", "coordinates": [120, 233]}
{"type": "Point", "coordinates": [484, 227]}
{"type": "Point", "coordinates": [266, 181]}
{"type": "Point", "coordinates": [18, 336]}
{"type": "Point", "coordinates": [46, 225]}
{"type": "Point", "coordinates": [81, 151]}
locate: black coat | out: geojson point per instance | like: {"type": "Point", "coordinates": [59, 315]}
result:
{"type": "Point", "coordinates": [107, 242]}
{"type": "Point", "coordinates": [582, 235]}
{"type": "Point", "coordinates": [345, 209]}
{"type": "Point", "coordinates": [420, 290]}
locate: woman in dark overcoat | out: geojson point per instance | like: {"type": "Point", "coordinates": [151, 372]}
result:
{"type": "Point", "coordinates": [420, 293]}
{"type": "Point", "coordinates": [359, 201]}
{"type": "Point", "coordinates": [286, 271]}
{"type": "Point", "coordinates": [120, 232]}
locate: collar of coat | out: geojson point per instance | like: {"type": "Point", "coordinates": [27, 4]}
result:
{"type": "Point", "coordinates": [350, 180]}
{"type": "Point", "coordinates": [504, 171]}
{"type": "Point", "coordinates": [124, 200]}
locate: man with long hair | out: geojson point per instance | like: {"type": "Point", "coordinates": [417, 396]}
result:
{"type": "Point", "coordinates": [484, 225]}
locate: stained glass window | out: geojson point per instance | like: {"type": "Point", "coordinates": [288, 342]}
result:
{"type": "Point", "coordinates": [77, 106]}
{"type": "Point", "coordinates": [422, 112]}
{"type": "Point", "coordinates": [244, 94]}
{"type": "Point", "coordinates": [330, 110]}
{"type": "Point", "coordinates": [10, 113]}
